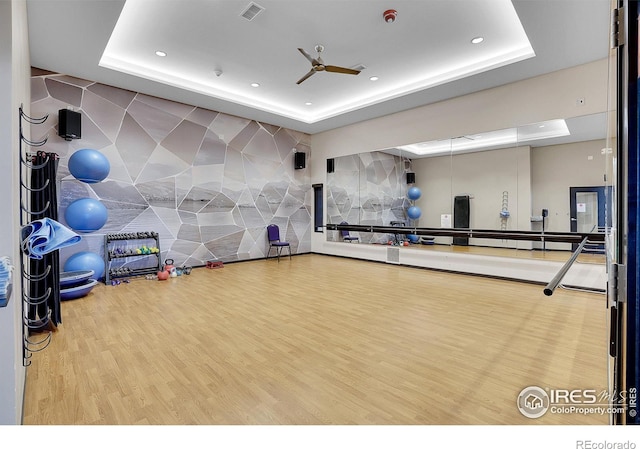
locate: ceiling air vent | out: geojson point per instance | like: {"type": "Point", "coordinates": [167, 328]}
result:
{"type": "Point", "coordinates": [251, 11]}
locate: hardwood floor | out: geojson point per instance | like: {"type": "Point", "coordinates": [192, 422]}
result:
{"type": "Point", "coordinates": [316, 340]}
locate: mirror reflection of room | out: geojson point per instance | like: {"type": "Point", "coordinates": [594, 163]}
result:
{"type": "Point", "coordinates": [546, 176]}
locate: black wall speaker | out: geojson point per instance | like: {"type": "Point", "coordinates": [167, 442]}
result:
{"type": "Point", "coordinates": [299, 160]}
{"type": "Point", "coordinates": [411, 178]}
{"type": "Point", "coordinates": [331, 165]}
{"type": "Point", "coordinates": [69, 124]}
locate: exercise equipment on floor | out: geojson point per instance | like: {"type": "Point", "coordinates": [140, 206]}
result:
{"type": "Point", "coordinates": [76, 284]}
{"type": "Point", "coordinates": [131, 254]}
{"type": "Point", "coordinates": [86, 260]}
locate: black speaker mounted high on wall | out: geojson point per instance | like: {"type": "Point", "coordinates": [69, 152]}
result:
{"type": "Point", "coordinates": [69, 124]}
{"type": "Point", "coordinates": [411, 178]}
{"type": "Point", "coordinates": [299, 160]}
{"type": "Point", "coordinates": [331, 165]}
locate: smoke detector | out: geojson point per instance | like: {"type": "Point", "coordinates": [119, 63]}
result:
{"type": "Point", "coordinates": [390, 15]}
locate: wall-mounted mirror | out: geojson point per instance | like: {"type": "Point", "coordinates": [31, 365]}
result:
{"type": "Point", "coordinates": [523, 178]}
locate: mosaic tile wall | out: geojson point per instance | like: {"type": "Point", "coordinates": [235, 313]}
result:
{"type": "Point", "coordinates": [367, 188]}
{"type": "Point", "coordinates": [207, 182]}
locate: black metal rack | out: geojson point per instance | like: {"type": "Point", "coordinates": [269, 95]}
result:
{"type": "Point", "coordinates": [40, 278]}
{"type": "Point", "coordinates": [124, 247]}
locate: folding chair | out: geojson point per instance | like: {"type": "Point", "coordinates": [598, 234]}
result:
{"type": "Point", "coordinates": [346, 237]}
{"type": "Point", "coordinates": [273, 234]}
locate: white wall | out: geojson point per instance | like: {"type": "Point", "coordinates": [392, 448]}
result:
{"type": "Point", "coordinates": [554, 169]}
{"type": "Point", "coordinates": [14, 91]}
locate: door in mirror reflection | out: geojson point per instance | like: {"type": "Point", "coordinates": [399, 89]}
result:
{"type": "Point", "coordinates": [588, 211]}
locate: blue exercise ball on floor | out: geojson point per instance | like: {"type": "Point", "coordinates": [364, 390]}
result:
{"type": "Point", "coordinates": [413, 238]}
{"type": "Point", "coordinates": [86, 215]}
{"type": "Point", "coordinates": [414, 212]}
{"type": "Point", "coordinates": [86, 260]}
{"type": "Point", "coordinates": [414, 193]}
{"type": "Point", "coordinates": [89, 166]}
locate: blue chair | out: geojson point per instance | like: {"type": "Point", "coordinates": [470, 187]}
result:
{"type": "Point", "coordinates": [345, 235]}
{"type": "Point", "coordinates": [273, 234]}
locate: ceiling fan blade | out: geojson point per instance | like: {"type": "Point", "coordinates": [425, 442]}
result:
{"type": "Point", "coordinates": [311, 72]}
{"type": "Point", "coordinates": [336, 69]}
{"type": "Point", "coordinates": [307, 55]}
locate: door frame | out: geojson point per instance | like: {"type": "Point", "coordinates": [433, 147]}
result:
{"type": "Point", "coordinates": [604, 218]}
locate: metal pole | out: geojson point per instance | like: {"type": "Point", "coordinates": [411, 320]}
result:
{"type": "Point", "coordinates": [551, 286]}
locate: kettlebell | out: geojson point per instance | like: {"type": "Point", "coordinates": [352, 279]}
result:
{"type": "Point", "coordinates": [163, 275]}
{"type": "Point", "coordinates": [168, 264]}
{"type": "Point", "coordinates": [173, 272]}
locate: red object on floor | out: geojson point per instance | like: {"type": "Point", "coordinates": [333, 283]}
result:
{"type": "Point", "coordinates": [215, 264]}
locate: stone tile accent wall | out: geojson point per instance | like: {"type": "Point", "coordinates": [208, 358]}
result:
{"type": "Point", "coordinates": [207, 182]}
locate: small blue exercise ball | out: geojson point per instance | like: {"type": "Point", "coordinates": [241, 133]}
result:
{"type": "Point", "coordinates": [86, 215]}
{"type": "Point", "coordinates": [414, 193]}
{"type": "Point", "coordinates": [89, 166]}
{"type": "Point", "coordinates": [413, 238]}
{"type": "Point", "coordinates": [86, 260]}
{"type": "Point", "coordinates": [414, 212]}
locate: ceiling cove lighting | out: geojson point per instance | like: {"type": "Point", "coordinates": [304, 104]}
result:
{"type": "Point", "coordinates": [122, 56]}
{"type": "Point", "coordinates": [490, 140]}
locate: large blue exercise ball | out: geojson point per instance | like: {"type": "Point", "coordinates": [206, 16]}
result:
{"type": "Point", "coordinates": [89, 166]}
{"type": "Point", "coordinates": [86, 260]}
{"type": "Point", "coordinates": [86, 215]}
{"type": "Point", "coordinates": [414, 193]}
{"type": "Point", "coordinates": [414, 212]}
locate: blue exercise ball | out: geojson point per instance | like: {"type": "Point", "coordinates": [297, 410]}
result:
{"type": "Point", "coordinates": [414, 212]}
{"type": "Point", "coordinates": [86, 260]}
{"type": "Point", "coordinates": [86, 215]}
{"type": "Point", "coordinates": [413, 238]}
{"type": "Point", "coordinates": [414, 193]}
{"type": "Point", "coordinates": [89, 166]}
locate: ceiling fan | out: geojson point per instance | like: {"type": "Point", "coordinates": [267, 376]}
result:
{"type": "Point", "coordinates": [318, 65]}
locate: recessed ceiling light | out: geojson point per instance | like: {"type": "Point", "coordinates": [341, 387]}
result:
{"type": "Point", "coordinates": [374, 78]}
{"type": "Point", "coordinates": [308, 103]}
{"type": "Point", "coordinates": [477, 40]}
{"type": "Point", "coordinates": [255, 85]}
{"type": "Point", "coordinates": [161, 53]}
